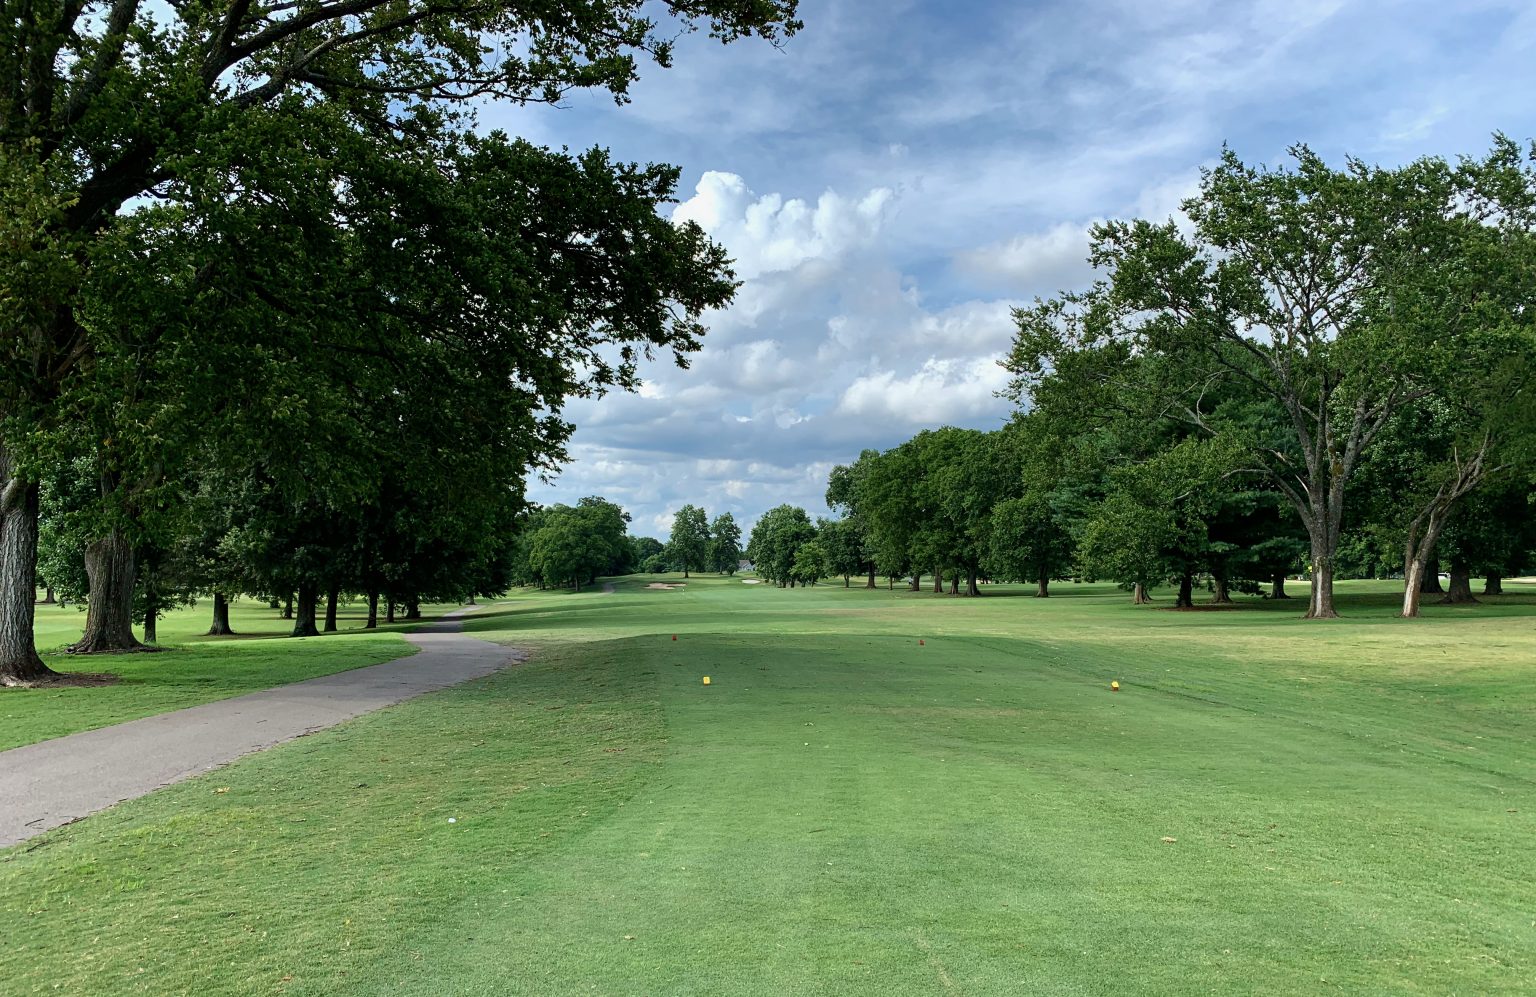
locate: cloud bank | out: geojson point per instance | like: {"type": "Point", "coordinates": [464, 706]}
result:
{"type": "Point", "coordinates": [890, 187]}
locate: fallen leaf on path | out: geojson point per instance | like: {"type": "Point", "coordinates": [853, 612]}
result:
{"type": "Point", "coordinates": [1168, 841]}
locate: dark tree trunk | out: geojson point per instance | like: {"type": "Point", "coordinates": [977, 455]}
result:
{"type": "Point", "coordinates": [1139, 596]}
{"type": "Point", "coordinates": [1461, 584]}
{"type": "Point", "coordinates": [221, 627]}
{"type": "Point", "coordinates": [917, 582]}
{"type": "Point", "coordinates": [413, 605]}
{"type": "Point", "coordinates": [847, 581]}
{"type": "Point", "coordinates": [954, 583]}
{"type": "Point", "coordinates": [288, 608]}
{"type": "Point", "coordinates": [373, 611]}
{"type": "Point", "coordinates": [1429, 583]}
{"type": "Point", "coordinates": [19, 661]}
{"type": "Point", "coordinates": [871, 577]}
{"type": "Point", "coordinates": [938, 581]}
{"type": "Point", "coordinates": [331, 596]}
{"type": "Point", "coordinates": [1493, 584]}
{"type": "Point", "coordinates": [151, 624]}
{"type": "Point", "coordinates": [389, 612]}
{"type": "Point", "coordinates": [109, 565]}
{"type": "Point", "coordinates": [1277, 587]}
{"type": "Point", "coordinates": [304, 612]}
{"type": "Point", "coordinates": [971, 588]}
{"type": "Point", "coordinates": [1186, 596]}
{"type": "Point", "coordinates": [49, 598]}
{"type": "Point", "coordinates": [1221, 594]}
{"type": "Point", "coordinates": [1043, 586]}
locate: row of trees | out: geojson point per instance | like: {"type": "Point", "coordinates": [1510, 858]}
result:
{"type": "Point", "coordinates": [698, 544]}
{"type": "Point", "coordinates": [275, 316]}
{"type": "Point", "coordinates": [1357, 342]}
{"type": "Point", "coordinates": [1326, 370]}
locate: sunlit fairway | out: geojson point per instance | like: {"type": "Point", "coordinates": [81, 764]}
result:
{"type": "Point", "coordinates": [1267, 805]}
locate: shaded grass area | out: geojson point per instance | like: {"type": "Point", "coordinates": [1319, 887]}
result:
{"type": "Point", "coordinates": [845, 811]}
{"type": "Point", "coordinates": [190, 669]}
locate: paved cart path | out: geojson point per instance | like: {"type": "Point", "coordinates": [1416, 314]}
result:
{"type": "Point", "coordinates": [51, 783]}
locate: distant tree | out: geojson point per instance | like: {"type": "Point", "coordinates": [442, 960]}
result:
{"type": "Point", "coordinates": [565, 550]}
{"type": "Point", "coordinates": [573, 545]}
{"type": "Point", "coordinates": [608, 525]}
{"type": "Point", "coordinates": [725, 544]}
{"type": "Point", "coordinates": [811, 563]}
{"type": "Point", "coordinates": [1494, 533]}
{"type": "Point", "coordinates": [1253, 539]}
{"type": "Point", "coordinates": [1028, 541]}
{"type": "Point", "coordinates": [776, 538]}
{"type": "Point", "coordinates": [846, 494]}
{"type": "Point", "coordinates": [689, 543]}
{"type": "Point", "coordinates": [843, 543]}
{"type": "Point", "coordinates": [1126, 541]}
{"type": "Point", "coordinates": [890, 504]}
{"type": "Point", "coordinates": [1153, 524]}
{"type": "Point", "coordinates": [968, 472]}
{"type": "Point", "coordinates": [645, 548]}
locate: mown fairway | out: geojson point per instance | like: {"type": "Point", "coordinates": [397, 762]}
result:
{"type": "Point", "coordinates": [846, 811]}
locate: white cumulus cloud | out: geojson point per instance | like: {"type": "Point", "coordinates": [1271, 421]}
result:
{"type": "Point", "coordinates": [769, 234]}
{"type": "Point", "coordinates": [944, 390]}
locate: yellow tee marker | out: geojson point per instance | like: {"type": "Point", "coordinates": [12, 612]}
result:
{"type": "Point", "coordinates": [706, 680]}
{"type": "Point", "coordinates": [1113, 686]}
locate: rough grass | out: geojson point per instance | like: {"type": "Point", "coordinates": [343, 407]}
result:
{"type": "Point", "coordinates": [191, 668]}
{"type": "Point", "coordinates": [845, 811]}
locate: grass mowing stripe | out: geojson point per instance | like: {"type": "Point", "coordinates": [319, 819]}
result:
{"type": "Point", "coordinates": [685, 893]}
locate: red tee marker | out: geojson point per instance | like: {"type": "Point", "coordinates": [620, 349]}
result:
{"type": "Point", "coordinates": [919, 642]}
{"type": "Point", "coordinates": [674, 636]}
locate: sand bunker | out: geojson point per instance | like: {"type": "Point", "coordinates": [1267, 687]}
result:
{"type": "Point", "coordinates": [751, 581]}
{"type": "Point", "coordinates": [664, 586]}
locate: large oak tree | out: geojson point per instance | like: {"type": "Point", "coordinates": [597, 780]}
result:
{"type": "Point", "coordinates": [105, 105]}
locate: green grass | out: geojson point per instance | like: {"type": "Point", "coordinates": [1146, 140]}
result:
{"type": "Point", "coordinates": [191, 669]}
{"type": "Point", "coordinates": [845, 811]}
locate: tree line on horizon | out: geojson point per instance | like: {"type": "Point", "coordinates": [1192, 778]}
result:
{"type": "Point", "coordinates": [1317, 370]}
{"type": "Point", "coordinates": [562, 546]}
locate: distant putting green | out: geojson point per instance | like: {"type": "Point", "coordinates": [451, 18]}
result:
{"type": "Point", "coordinates": [1267, 805]}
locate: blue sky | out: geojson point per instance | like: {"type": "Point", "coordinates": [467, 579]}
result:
{"type": "Point", "coordinates": [898, 176]}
